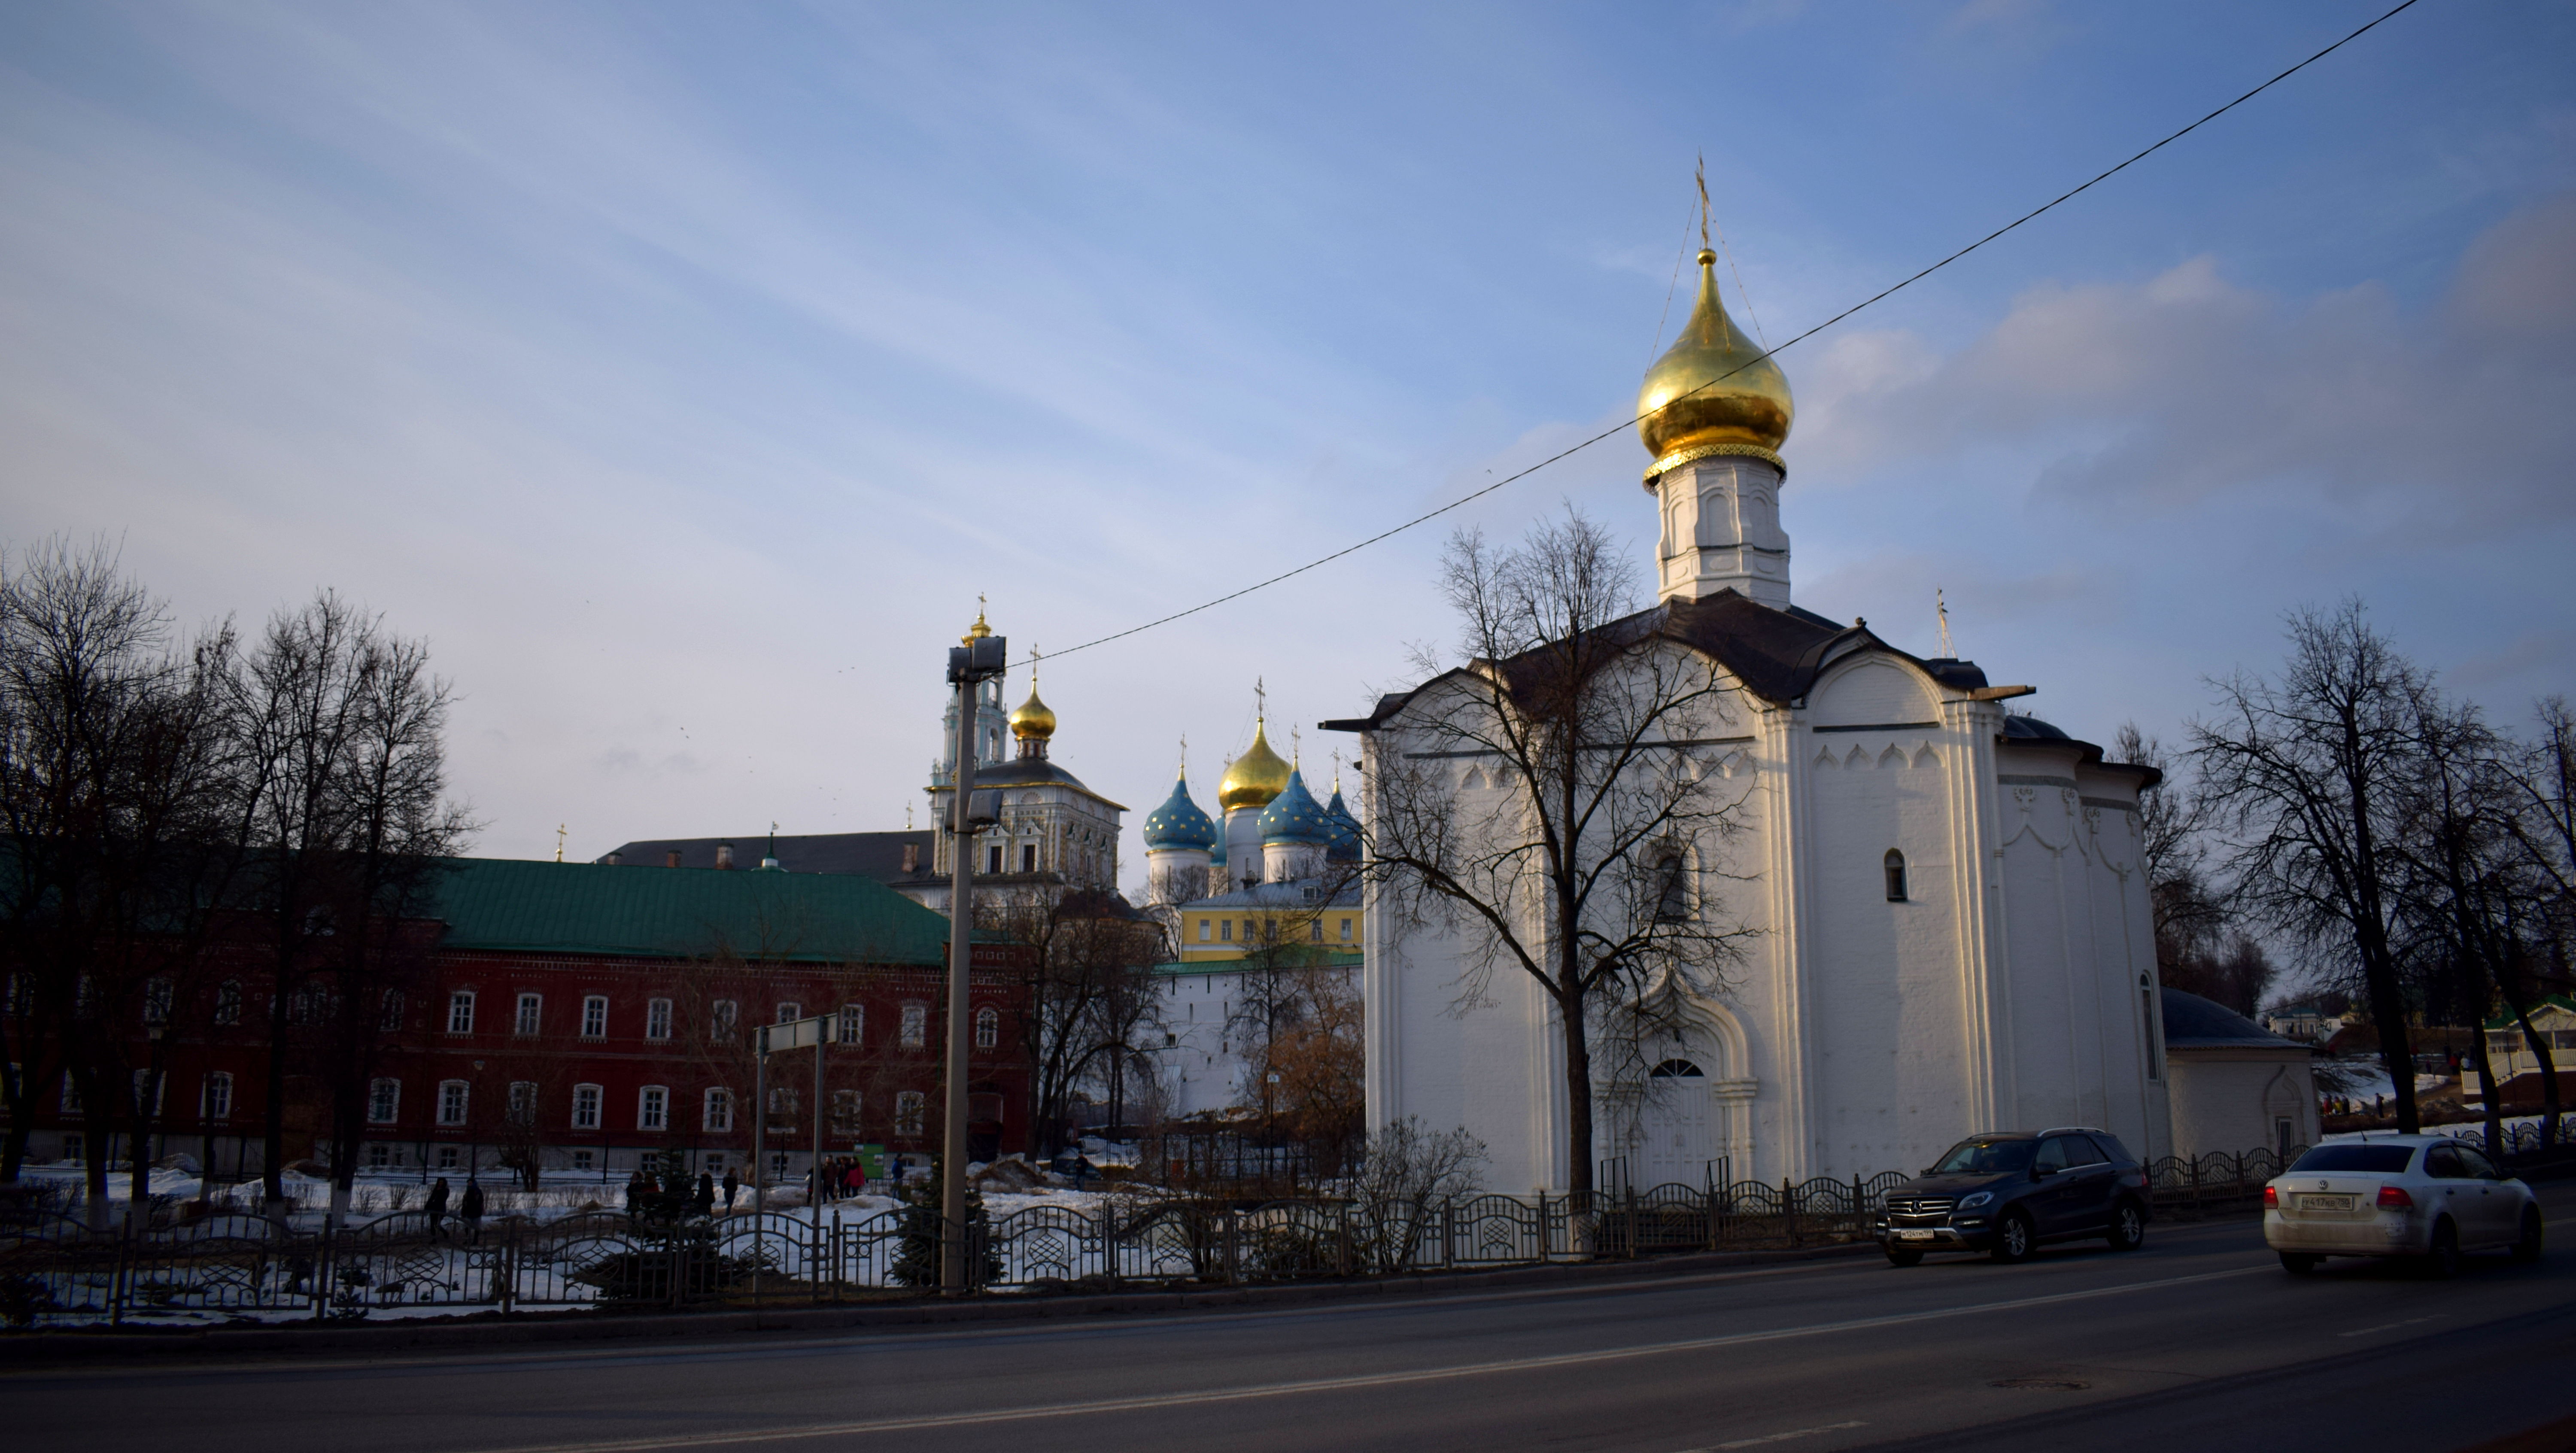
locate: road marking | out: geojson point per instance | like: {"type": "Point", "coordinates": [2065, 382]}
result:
{"type": "Point", "coordinates": [1781, 1437]}
{"type": "Point", "coordinates": [1155, 1401]}
{"type": "Point", "coordinates": [2392, 1326]}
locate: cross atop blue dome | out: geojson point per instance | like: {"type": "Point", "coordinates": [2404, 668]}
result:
{"type": "Point", "coordinates": [1178, 823]}
{"type": "Point", "coordinates": [1294, 816]}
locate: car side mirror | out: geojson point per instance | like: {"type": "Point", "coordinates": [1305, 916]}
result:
{"type": "Point", "coordinates": [2040, 1172]}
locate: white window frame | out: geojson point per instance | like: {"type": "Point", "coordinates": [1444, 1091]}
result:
{"type": "Point", "coordinates": [854, 1023]}
{"type": "Point", "coordinates": [789, 1011]}
{"type": "Point", "coordinates": [455, 1102]}
{"type": "Point", "coordinates": [586, 1101]}
{"type": "Point", "coordinates": [724, 1020]}
{"type": "Point", "coordinates": [460, 1012]}
{"type": "Point", "coordinates": [715, 1111]}
{"type": "Point", "coordinates": [988, 1027]}
{"type": "Point", "coordinates": [594, 1016]}
{"type": "Point", "coordinates": [228, 1002]}
{"type": "Point", "coordinates": [657, 1019]}
{"type": "Point", "coordinates": [653, 1108]}
{"type": "Point", "coordinates": [530, 1016]}
{"type": "Point", "coordinates": [916, 1024]}
{"type": "Point", "coordinates": [846, 1106]}
{"type": "Point", "coordinates": [215, 1097]}
{"type": "Point", "coordinates": [523, 1102]}
{"type": "Point", "coordinates": [911, 1113]}
{"type": "Point", "coordinates": [384, 1101]}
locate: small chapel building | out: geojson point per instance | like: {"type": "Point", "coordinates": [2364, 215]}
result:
{"type": "Point", "coordinates": [1952, 928]}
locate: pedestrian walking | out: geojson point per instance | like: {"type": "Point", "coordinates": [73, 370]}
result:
{"type": "Point", "coordinates": [854, 1178]}
{"type": "Point", "coordinates": [437, 1209]}
{"type": "Point", "coordinates": [732, 1185]}
{"type": "Point", "coordinates": [704, 1202]}
{"type": "Point", "coordinates": [470, 1211]}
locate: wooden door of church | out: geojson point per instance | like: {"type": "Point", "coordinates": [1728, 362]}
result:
{"type": "Point", "coordinates": [1675, 1144]}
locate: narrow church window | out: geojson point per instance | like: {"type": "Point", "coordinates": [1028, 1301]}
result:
{"type": "Point", "coordinates": [1672, 899]}
{"type": "Point", "coordinates": [2147, 1026]}
{"type": "Point", "coordinates": [1895, 876]}
{"type": "Point", "coordinates": [1028, 857]}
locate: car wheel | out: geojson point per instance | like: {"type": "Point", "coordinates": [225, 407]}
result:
{"type": "Point", "coordinates": [2299, 1263]}
{"type": "Point", "coordinates": [2015, 1238]}
{"type": "Point", "coordinates": [2442, 1258]}
{"type": "Point", "coordinates": [1896, 1257]}
{"type": "Point", "coordinates": [2526, 1247]}
{"type": "Point", "coordinates": [2128, 1227]}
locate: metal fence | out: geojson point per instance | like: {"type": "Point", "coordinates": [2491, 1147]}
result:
{"type": "Point", "coordinates": [55, 1269]}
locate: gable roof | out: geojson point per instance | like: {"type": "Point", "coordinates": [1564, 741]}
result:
{"type": "Point", "coordinates": [541, 907]}
{"type": "Point", "coordinates": [2192, 1022]}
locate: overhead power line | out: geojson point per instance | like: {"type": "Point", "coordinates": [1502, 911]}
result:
{"type": "Point", "coordinates": [1880, 296]}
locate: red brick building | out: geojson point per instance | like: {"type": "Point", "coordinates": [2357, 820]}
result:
{"type": "Point", "coordinates": [584, 1016]}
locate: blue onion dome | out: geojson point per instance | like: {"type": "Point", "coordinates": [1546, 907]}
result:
{"type": "Point", "coordinates": [1345, 844]}
{"type": "Point", "coordinates": [1294, 816]}
{"type": "Point", "coordinates": [1216, 852]}
{"type": "Point", "coordinates": [1178, 823]}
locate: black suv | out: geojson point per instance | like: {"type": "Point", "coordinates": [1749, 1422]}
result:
{"type": "Point", "coordinates": [2006, 1192]}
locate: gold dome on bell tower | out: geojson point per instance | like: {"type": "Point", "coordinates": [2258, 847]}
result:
{"type": "Point", "coordinates": [1713, 391]}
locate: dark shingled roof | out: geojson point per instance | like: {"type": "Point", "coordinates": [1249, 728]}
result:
{"type": "Point", "coordinates": [539, 907]}
{"type": "Point", "coordinates": [877, 855]}
{"type": "Point", "coordinates": [2192, 1022]}
{"type": "Point", "coordinates": [1777, 654]}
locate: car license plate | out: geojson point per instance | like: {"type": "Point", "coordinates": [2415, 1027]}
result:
{"type": "Point", "coordinates": [2325, 1203]}
{"type": "Point", "coordinates": [1913, 1235]}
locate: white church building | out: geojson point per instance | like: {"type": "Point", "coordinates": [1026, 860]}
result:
{"type": "Point", "coordinates": [1951, 923]}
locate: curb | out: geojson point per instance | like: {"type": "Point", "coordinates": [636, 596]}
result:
{"type": "Point", "coordinates": [494, 1329]}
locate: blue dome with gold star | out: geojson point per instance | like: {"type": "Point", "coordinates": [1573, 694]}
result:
{"type": "Point", "coordinates": [1178, 823]}
{"type": "Point", "coordinates": [1345, 844]}
{"type": "Point", "coordinates": [1294, 816]}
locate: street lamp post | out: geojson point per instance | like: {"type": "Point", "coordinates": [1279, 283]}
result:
{"type": "Point", "coordinates": [980, 659]}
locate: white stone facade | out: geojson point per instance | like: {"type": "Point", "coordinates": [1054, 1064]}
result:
{"type": "Point", "coordinates": [2012, 988]}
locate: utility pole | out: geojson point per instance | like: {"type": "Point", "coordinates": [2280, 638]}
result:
{"type": "Point", "coordinates": [982, 658]}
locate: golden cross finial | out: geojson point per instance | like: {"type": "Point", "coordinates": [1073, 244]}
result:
{"type": "Point", "coordinates": [1034, 655]}
{"type": "Point", "coordinates": [1260, 700]}
{"type": "Point", "coordinates": [1701, 175]}
{"type": "Point", "coordinates": [1941, 610]}
{"type": "Point", "coordinates": [1296, 746]}
{"type": "Point", "coordinates": [1185, 754]}
{"type": "Point", "coordinates": [560, 830]}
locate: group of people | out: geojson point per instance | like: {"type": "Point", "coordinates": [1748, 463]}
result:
{"type": "Point", "coordinates": [835, 1179]}
{"type": "Point", "coordinates": [469, 1211]}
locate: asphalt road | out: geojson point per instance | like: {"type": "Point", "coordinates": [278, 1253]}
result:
{"type": "Point", "coordinates": [2200, 1340]}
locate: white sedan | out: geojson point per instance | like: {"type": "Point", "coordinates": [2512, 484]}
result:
{"type": "Point", "coordinates": [2398, 1195]}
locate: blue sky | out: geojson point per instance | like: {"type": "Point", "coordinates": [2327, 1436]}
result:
{"type": "Point", "coordinates": [684, 372]}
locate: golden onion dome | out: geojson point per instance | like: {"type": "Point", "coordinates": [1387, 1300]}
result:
{"type": "Point", "coordinates": [975, 632]}
{"type": "Point", "coordinates": [1745, 407]}
{"type": "Point", "coordinates": [1254, 778]}
{"type": "Point", "coordinates": [1033, 719]}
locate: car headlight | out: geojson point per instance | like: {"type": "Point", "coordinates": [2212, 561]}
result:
{"type": "Point", "coordinates": [1974, 1199]}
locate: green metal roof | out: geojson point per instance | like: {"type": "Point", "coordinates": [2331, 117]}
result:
{"type": "Point", "coordinates": [1308, 958]}
{"type": "Point", "coordinates": [540, 907]}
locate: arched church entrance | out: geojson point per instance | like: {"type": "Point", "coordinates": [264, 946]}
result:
{"type": "Point", "coordinates": [1675, 1139]}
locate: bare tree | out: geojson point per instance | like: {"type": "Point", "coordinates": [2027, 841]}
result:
{"type": "Point", "coordinates": [1589, 850]}
{"type": "Point", "coordinates": [2190, 917]}
{"type": "Point", "coordinates": [1085, 990]}
{"type": "Point", "coordinates": [112, 800]}
{"type": "Point", "coordinates": [2308, 777]}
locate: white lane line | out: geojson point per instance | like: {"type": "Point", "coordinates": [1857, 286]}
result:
{"type": "Point", "coordinates": [1154, 1401]}
{"type": "Point", "coordinates": [1780, 1437]}
{"type": "Point", "coordinates": [2393, 1326]}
